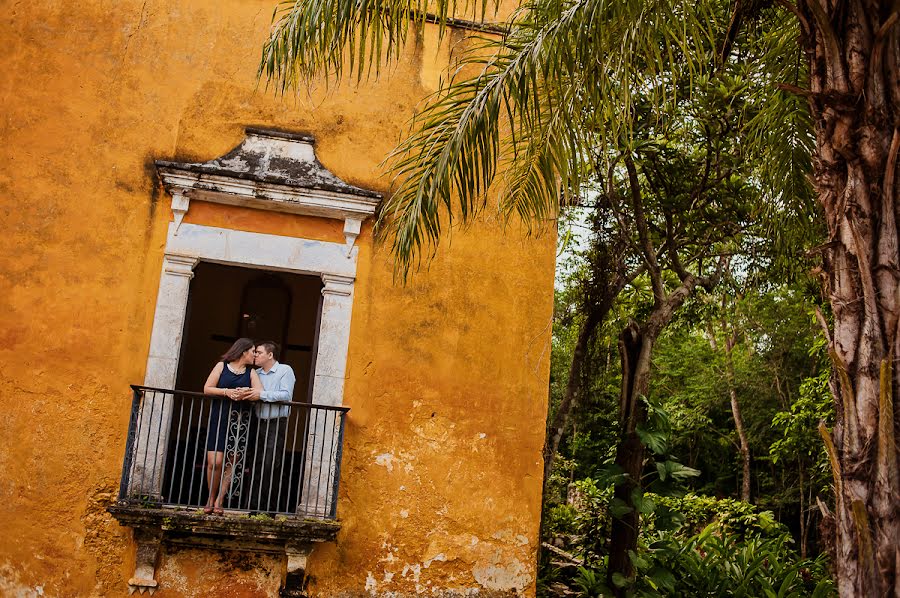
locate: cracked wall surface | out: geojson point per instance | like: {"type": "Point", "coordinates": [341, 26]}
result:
{"type": "Point", "coordinates": [446, 377]}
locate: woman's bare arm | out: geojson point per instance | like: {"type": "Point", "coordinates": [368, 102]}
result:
{"type": "Point", "coordinates": [210, 387]}
{"type": "Point", "coordinates": [255, 382]}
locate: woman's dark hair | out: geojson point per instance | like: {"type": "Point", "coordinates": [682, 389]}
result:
{"type": "Point", "coordinates": [237, 349]}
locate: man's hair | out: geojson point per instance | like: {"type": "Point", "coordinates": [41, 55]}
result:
{"type": "Point", "coordinates": [270, 347]}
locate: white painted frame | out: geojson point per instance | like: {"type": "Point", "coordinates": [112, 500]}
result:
{"type": "Point", "coordinates": [189, 244]}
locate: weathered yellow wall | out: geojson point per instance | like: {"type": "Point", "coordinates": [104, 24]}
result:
{"type": "Point", "coordinates": [446, 377]}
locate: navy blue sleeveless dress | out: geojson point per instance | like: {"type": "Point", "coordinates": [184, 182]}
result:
{"type": "Point", "coordinates": [221, 409]}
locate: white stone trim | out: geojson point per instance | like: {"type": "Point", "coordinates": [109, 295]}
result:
{"type": "Point", "coordinates": [168, 321]}
{"type": "Point", "coordinates": [352, 227]}
{"type": "Point", "coordinates": [266, 196]}
{"type": "Point", "coordinates": [180, 204]}
{"type": "Point", "coordinates": [195, 243]}
{"type": "Point", "coordinates": [186, 246]}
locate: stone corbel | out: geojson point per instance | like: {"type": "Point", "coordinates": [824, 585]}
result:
{"type": "Point", "coordinates": [352, 227]}
{"type": "Point", "coordinates": [294, 585]}
{"type": "Point", "coordinates": [180, 204]}
{"type": "Point", "coordinates": [146, 559]}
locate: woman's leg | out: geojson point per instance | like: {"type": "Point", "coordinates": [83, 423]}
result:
{"type": "Point", "coordinates": [238, 430]}
{"type": "Point", "coordinates": [226, 483]}
{"type": "Point", "coordinates": [213, 475]}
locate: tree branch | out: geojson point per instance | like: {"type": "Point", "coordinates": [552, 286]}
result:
{"type": "Point", "coordinates": [640, 220]}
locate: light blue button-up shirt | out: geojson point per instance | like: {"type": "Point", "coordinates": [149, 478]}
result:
{"type": "Point", "coordinates": [278, 386]}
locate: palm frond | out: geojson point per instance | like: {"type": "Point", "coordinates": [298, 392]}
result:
{"type": "Point", "coordinates": [567, 78]}
{"type": "Point", "coordinates": [543, 97]}
{"type": "Point", "coordinates": [331, 38]}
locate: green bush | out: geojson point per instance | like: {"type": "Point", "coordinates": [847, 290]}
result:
{"type": "Point", "coordinates": [561, 520]}
{"type": "Point", "coordinates": [691, 545]}
{"type": "Point", "coordinates": [691, 513]}
{"type": "Point", "coordinates": [715, 564]}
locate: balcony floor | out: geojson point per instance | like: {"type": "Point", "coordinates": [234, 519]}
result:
{"type": "Point", "coordinates": [234, 530]}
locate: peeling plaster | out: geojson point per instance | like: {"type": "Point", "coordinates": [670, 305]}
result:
{"type": "Point", "coordinates": [385, 460]}
{"type": "Point", "coordinates": [415, 570]}
{"type": "Point", "coordinates": [11, 585]}
{"type": "Point", "coordinates": [502, 574]}
{"type": "Point", "coordinates": [438, 557]}
{"type": "Point", "coordinates": [459, 331]}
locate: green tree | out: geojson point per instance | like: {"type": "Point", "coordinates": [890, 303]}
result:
{"type": "Point", "coordinates": [771, 366]}
{"type": "Point", "coordinates": [560, 82]}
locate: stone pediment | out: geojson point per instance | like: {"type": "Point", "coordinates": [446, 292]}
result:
{"type": "Point", "coordinates": [269, 170]}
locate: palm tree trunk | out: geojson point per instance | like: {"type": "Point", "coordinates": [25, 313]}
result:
{"type": "Point", "coordinates": [853, 50]}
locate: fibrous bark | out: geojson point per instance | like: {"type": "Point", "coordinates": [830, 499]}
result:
{"type": "Point", "coordinates": [853, 50]}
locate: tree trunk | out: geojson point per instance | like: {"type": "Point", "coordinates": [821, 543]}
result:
{"type": "Point", "coordinates": [743, 443]}
{"type": "Point", "coordinates": [803, 526]}
{"type": "Point", "coordinates": [563, 415]}
{"type": "Point", "coordinates": [738, 420]}
{"type": "Point", "coordinates": [635, 350]}
{"type": "Point", "coordinates": [608, 276]}
{"type": "Point", "coordinates": [853, 51]}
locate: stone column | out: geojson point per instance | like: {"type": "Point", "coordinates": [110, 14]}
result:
{"type": "Point", "coordinates": [162, 367]}
{"type": "Point", "coordinates": [328, 389]}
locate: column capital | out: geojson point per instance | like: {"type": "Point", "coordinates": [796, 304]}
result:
{"type": "Point", "coordinates": [180, 265]}
{"type": "Point", "coordinates": [337, 284]}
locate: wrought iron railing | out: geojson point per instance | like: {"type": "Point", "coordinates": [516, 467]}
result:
{"type": "Point", "coordinates": [272, 458]}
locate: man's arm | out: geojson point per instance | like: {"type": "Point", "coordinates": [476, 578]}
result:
{"type": "Point", "coordinates": [285, 390]}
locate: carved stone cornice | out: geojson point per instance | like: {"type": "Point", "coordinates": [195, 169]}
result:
{"type": "Point", "coordinates": [269, 170]}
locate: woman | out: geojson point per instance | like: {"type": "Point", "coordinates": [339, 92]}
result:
{"type": "Point", "coordinates": [231, 378]}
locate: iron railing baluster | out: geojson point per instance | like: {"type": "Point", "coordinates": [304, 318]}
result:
{"type": "Point", "coordinates": [287, 502]}
{"type": "Point", "coordinates": [177, 444]}
{"type": "Point", "coordinates": [337, 465]}
{"type": "Point", "coordinates": [187, 451]}
{"type": "Point", "coordinates": [129, 444]}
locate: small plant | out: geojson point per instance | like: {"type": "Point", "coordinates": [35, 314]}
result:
{"type": "Point", "coordinates": [261, 517]}
{"type": "Point", "coordinates": [590, 585]}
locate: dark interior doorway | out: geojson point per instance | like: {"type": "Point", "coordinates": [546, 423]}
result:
{"type": "Point", "coordinates": [224, 304]}
{"type": "Point", "coordinates": [228, 302]}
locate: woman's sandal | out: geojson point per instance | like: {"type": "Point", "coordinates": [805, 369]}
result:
{"type": "Point", "coordinates": [208, 510]}
{"type": "Point", "coordinates": [218, 511]}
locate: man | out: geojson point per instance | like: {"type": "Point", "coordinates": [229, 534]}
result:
{"type": "Point", "coordinates": [271, 421]}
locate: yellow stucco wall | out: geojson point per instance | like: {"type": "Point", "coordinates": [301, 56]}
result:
{"type": "Point", "coordinates": [446, 377]}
